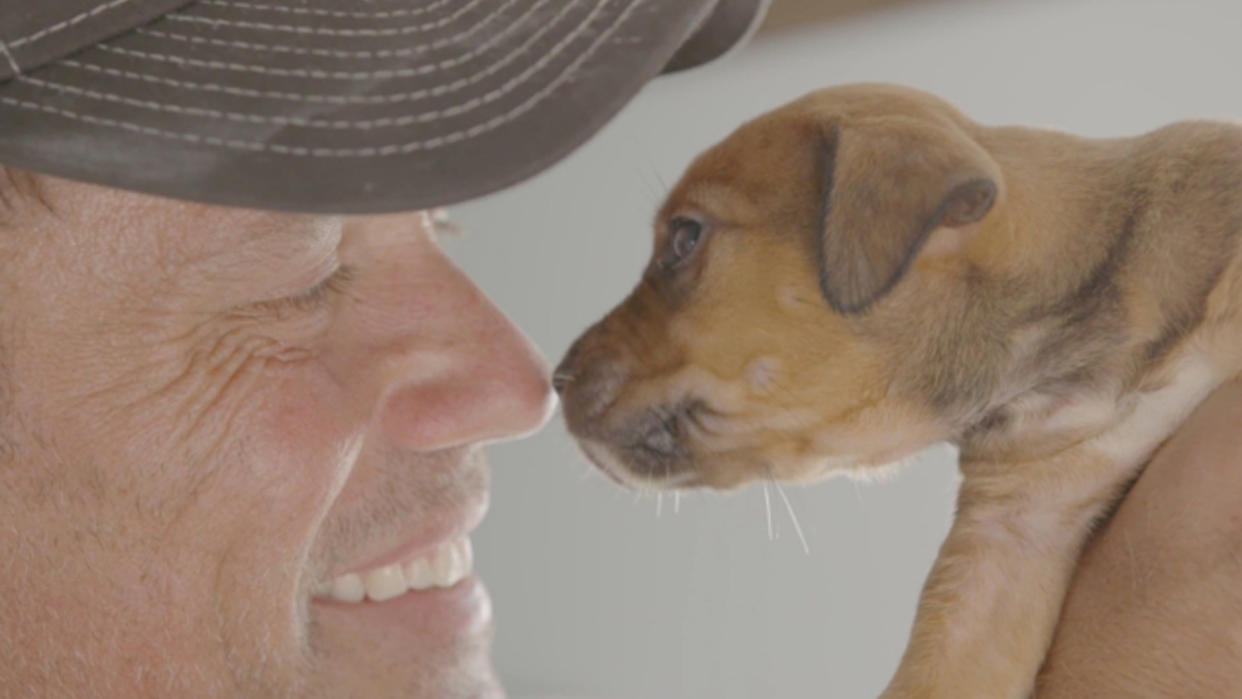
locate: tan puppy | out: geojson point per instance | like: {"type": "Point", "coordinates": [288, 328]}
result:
{"type": "Point", "coordinates": [864, 272]}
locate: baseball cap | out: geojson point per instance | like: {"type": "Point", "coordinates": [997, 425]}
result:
{"type": "Point", "coordinates": [328, 105]}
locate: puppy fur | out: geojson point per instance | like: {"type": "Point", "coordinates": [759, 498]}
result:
{"type": "Point", "coordinates": [865, 272]}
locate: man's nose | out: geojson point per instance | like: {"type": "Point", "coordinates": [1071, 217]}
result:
{"type": "Point", "coordinates": [467, 375]}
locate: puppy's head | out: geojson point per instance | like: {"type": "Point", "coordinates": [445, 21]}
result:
{"type": "Point", "coordinates": [791, 320]}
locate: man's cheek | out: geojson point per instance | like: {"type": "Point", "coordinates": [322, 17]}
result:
{"type": "Point", "coordinates": [275, 434]}
{"type": "Point", "coordinates": [224, 423]}
{"type": "Point", "coordinates": [302, 443]}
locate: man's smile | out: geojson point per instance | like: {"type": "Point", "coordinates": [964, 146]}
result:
{"type": "Point", "coordinates": [444, 566]}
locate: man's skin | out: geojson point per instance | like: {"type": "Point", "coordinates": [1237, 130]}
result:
{"type": "Point", "coordinates": [183, 455]}
{"type": "Point", "coordinates": [1155, 609]}
{"type": "Point", "coordinates": [191, 441]}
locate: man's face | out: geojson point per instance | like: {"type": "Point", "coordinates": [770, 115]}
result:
{"type": "Point", "coordinates": [202, 435]}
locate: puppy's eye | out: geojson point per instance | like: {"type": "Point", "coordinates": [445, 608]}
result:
{"type": "Point", "coordinates": [684, 236]}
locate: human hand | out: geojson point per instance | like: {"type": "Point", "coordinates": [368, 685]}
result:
{"type": "Point", "coordinates": [1155, 607]}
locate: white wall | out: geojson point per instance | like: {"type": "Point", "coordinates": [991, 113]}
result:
{"type": "Point", "coordinates": [601, 595]}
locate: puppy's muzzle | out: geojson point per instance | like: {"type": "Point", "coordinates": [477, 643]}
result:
{"type": "Point", "coordinates": [643, 443]}
{"type": "Point", "coordinates": [588, 380]}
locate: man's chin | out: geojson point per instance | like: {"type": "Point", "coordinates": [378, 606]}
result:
{"type": "Point", "coordinates": [434, 643]}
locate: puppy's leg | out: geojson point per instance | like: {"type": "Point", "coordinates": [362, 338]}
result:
{"type": "Point", "coordinates": [989, 607]}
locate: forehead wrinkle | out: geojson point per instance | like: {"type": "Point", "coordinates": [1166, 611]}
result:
{"type": "Point", "coordinates": [283, 256]}
{"type": "Point", "coordinates": [113, 231]}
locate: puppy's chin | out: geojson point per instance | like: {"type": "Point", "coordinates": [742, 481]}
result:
{"type": "Point", "coordinates": [639, 469]}
{"type": "Point", "coordinates": [691, 443]}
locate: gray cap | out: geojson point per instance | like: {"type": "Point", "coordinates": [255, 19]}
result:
{"type": "Point", "coordinates": [327, 105]}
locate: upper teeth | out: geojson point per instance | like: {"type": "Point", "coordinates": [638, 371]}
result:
{"type": "Point", "coordinates": [443, 567]}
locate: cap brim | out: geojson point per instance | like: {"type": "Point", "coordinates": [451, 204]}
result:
{"type": "Point", "coordinates": [731, 24]}
{"type": "Point", "coordinates": [310, 107]}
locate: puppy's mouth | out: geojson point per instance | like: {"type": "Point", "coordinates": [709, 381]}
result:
{"type": "Point", "coordinates": [649, 450]}
{"type": "Point", "coordinates": [680, 429]}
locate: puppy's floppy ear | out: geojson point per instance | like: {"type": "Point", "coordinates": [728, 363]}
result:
{"type": "Point", "coordinates": [887, 184]}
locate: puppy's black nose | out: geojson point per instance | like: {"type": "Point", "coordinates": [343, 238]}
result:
{"type": "Point", "coordinates": [568, 368]}
{"type": "Point", "coordinates": [588, 380]}
{"type": "Point", "coordinates": [561, 378]}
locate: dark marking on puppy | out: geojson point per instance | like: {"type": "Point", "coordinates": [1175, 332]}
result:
{"type": "Point", "coordinates": [931, 175]}
{"type": "Point", "coordinates": [825, 166]}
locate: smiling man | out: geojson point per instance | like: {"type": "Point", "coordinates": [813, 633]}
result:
{"type": "Point", "coordinates": [242, 404]}
{"type": "Point", "coordinates": [241, 450]}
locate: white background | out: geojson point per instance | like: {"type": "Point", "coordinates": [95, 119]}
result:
{"type": "Point", "coordinates": [598, 594]}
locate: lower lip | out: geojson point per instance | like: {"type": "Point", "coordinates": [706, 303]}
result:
{"type": "Point", "coordinates": [461, 610]}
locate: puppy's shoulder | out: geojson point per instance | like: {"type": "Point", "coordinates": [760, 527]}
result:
{"type": "Point", "coordinates": [1201, 150]}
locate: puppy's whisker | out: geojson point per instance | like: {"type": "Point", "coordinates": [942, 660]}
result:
{"type": "Point", "coordinates": [655, 194]}
{"type": "Point", "coordinates": [767, 504]}
{"type": "Point", "coordinates": [676, 502]}
{"type": "Point", "coordinates": [660, 179]}
{"type": "Point", "coordinates": [659, 503]}
{"type": "Point", "coordinates": [789, 508]}
{"type": "Point", "coordinates": [794, 517]}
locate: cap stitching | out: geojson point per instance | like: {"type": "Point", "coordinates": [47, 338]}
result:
{"type": "Point", "coordinates": [280, 48]}
{"type": "Point", "coordinates": [301, 50]}
{"type": "Point", "coordinates": [316, 12]}
{"type": "Point", "coordinates": [360, 124]}
{"type": "Point", "coordinates": [344, 75]}
{"type": "Point", "coordinates": [324, 31]}
{"type": "Point", "coordinates": [391, 149]}
{"type": "Point", "coordinates": [17, 70]}
{"type": "Point", "coordinates": [59, 26]}
{"type": "Point", "coordinates": [309, 98]}
{"type": "Point", "coordinates": [395, 98]}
